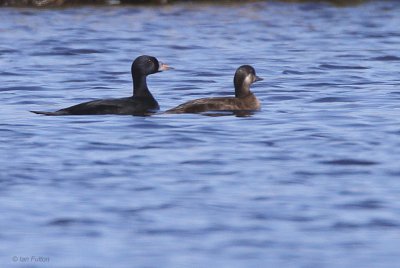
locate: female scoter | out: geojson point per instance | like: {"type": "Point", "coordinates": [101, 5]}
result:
{"type": "Point", "coordinates": [244, 99]}
{"type": "Point", "coordinates": [142, 102]}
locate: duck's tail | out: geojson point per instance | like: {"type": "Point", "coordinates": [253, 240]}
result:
{"type": "Point", "coordinates": [47, 113]}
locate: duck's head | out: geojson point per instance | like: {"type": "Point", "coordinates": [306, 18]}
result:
{"type": "Point", "coordinates": [245, 76]}
{"type": "Point", "coordinates": [145, 65]}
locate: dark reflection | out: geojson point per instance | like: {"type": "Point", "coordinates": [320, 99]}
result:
{"type": "Point", "coordinates": [144, 114]}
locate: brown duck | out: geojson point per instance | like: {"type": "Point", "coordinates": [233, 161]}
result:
{"type": "Point", "coordinates": [244, 99]}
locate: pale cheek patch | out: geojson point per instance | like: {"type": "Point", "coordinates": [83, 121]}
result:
{"type": "Point", "coordinates": [248, 80]}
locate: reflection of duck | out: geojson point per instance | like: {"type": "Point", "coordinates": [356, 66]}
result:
{"type": "Point", "coordinates": [244, 99]}
{"type": "Point", "coordinates": [140, 103]}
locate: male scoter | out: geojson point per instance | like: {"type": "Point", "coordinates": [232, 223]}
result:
{"type": "Point", "coordinates": [142, 102]}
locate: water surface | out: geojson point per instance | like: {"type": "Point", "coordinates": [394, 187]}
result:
{"type": "Point", "coordinates": [312, 180]}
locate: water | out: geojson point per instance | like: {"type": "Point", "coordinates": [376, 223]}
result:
{"type": "Point", "coordinates": [312, 180]}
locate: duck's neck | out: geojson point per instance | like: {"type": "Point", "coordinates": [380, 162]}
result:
{"type": "Point", "coordinates": [140, 88]}
{"type": "Point", "coordinates": [242, 90]}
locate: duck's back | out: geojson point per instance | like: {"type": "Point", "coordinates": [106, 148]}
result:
{"type": "Point", "coordinates": [218, 104]}
{"type": "Point", "coordinates": [128, 106]}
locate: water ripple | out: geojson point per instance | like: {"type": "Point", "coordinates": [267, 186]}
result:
{"type": "Point", "coordinates": [350, 162]}
{"type": "Point", "coordinates": [386, 58]}
{"type": "Point", "coordinates": [65, 51]}
{"type": "Point", "coordinates": [334, 99]}
{"type": "Point", "coordinates": [341, 67]}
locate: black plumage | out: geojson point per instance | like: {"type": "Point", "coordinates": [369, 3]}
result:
{"type": "Point", "coordinates": [142, 102]}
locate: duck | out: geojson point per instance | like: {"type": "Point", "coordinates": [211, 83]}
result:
{"type": "Point", "coordinates": [141, 103]}
{"type": "Point", "coordinates": [244, 99]}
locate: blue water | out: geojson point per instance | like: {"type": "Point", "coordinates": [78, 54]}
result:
{"type": "Point", "coordinates": [312, 180]}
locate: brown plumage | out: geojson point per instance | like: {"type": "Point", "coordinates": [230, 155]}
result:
{"type": "Point", "coordinates": [244, 99]}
